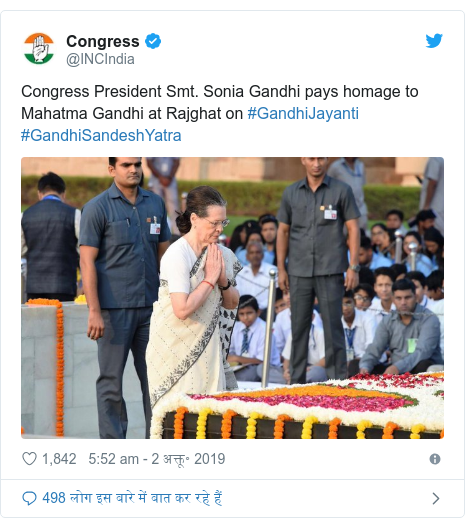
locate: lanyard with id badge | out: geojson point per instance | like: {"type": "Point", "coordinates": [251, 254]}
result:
{"type": "Point", "coordinates": [155, 228]}
{"type": "Point", "coordinates": [411, 345]}
{"type": "Point", "coordinates": [329, 213]}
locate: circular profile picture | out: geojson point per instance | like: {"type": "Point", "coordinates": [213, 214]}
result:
{"type": "Point", "coordinates": [38, 48]}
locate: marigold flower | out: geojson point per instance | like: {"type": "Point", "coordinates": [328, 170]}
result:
{"type": "Point", "coordinates": [226, 424]}
{"type": "Point", "coordinates": [179, 422]}
{"type": "Point", "coordinates": [417, 429]}
{"type": "Point", "coordinates": [202, 423]}
{"type": "Point", "coordinates": [59, 427]}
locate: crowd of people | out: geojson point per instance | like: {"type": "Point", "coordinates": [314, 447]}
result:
{"type": "Point", "coordinates": [363, 308]}
{"type": "Point", "coordinates": [193, 312]}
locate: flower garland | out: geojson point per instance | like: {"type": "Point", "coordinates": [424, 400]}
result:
{"type": "Point", "coordinates": [307, 427]}
{"type": "Point", "coordinates": [226, 424]}
{"type": "Point", "coordinates": [279, 425]}
{"type": "Point", "coordinates": [361, 427]}
{"type": "Point", "coordinates": [406, 380]}
{"type": "Point", "coordinates": [252, 425]}
{"type": "Point", "coordinates": [416, 431]}
{"type": "Point", "coordinates": [388, 431]}
{"type": "Point", "coordinates": [60, 397]}
{"type": "Point", "coordinates": [202, 423]}
{"type": "Point", "coordinates": [307, 390]}
{"type": "Point", "coordinates": [179, 422]}
{"type": "Point", "coordinates": [333, 426]}
{"type": "Point", "coordinates": [404, 400]}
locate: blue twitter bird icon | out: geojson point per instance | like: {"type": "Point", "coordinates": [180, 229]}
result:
{"type": "Point", "coordinates": [433, 42]}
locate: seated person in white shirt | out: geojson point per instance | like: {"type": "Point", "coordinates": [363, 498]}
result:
{"type": "Point", "coordinates": [363, 296]}
{"type": "Point", "coordinates": [254, 279]}
{"type": "Point", "coordinates": [435, 285]}
{"type": "Point", "coordinates": [282, 301]}
{"type": "Point", "coordinates": [419, 279]}
{"type": "Point", "coordinates": [282, 329]}
{"type": "Point", "coordinates": [316, 356]}
{"type": "Point", "coordinates": [359, 329]}
{"type": "Point", "coordinates": [383, 303]}
{"type": "Point", "coordinates": [248, 341]}
{"type": "Point", "coordinates": [254, 234]}
{"type": "Point", "coordinates": [283, 341]}
{"type": "Point", "coordinates": [282, 326]}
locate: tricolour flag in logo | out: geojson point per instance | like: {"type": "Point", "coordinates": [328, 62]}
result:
{"type": "Point", "coordinates": [38, 48]}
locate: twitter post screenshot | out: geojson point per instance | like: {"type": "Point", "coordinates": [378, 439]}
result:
{"type": "Point", "coordinates": [212, 281]}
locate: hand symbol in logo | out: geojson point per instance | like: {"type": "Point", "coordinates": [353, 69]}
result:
{"type": "Point", "coordinates": [39, 49]}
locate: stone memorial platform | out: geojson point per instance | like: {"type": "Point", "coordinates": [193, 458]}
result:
{"type": "Point", "coordinates": [38, 376]}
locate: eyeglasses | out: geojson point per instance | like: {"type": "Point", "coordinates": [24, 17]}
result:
{"type": "Point", "coordinates": [216, 224]}
{"type": "Point", "coordinates": [362, 298]}
{"type": "Point", "coordinates": [347, 304]}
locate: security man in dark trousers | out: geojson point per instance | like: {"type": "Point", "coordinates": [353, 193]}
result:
{"type": "Point", "coordinates": [311, 220]}
{"type": "Point", "coordinates": [49, 242]}
{"type": "Point", "coordinates": [124, 234]}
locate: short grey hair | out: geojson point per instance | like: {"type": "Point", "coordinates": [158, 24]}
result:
{"type": "Point", "coordinates": [257, 243]}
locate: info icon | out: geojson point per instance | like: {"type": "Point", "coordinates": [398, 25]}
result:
{"type": "Point", "coordinates": [38, 48]}
{"type": "Point", "coordinates": [435, 459]}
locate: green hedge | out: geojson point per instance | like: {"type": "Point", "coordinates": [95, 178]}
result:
{"type": "Point", "coordinates": [244, 198]}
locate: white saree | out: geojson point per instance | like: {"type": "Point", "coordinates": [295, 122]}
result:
{"type": "Point", "coordinates": [189, 356]}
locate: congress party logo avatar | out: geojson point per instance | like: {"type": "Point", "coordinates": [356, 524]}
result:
{"type": "Point", "coordinates": [38, 48]}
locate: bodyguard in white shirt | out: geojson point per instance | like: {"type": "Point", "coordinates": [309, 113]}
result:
{"type": "Point", "coordinates": [254, 279]}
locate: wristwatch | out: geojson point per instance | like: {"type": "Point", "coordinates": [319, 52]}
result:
{"type": "Point", "coordinates": [355, 268]}
{"type": "Point", "coordinates": [226, 287]}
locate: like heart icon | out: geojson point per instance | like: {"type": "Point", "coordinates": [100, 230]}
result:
{"type": "Point", "coordinates": [29, 457]}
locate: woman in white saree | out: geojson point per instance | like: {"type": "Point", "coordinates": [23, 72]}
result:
{"type": "Point", "coordinates": [193, 318]}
